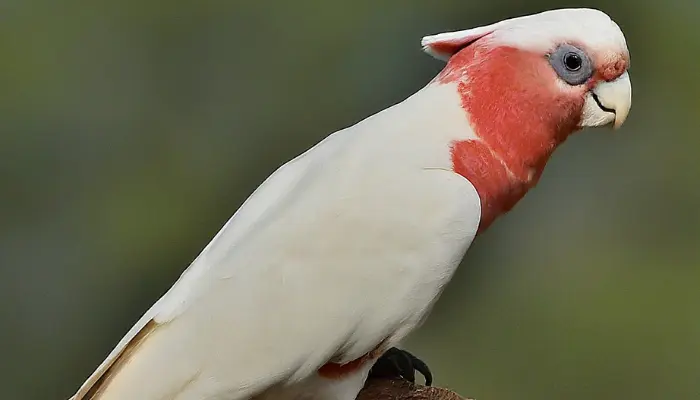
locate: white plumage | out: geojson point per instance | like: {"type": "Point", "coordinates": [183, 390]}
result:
{"type": "Point", "coordinates": [346, 247]}
{"type": "Point", "coordinates": [539, 31]}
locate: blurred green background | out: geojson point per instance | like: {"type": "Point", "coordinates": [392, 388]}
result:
{"type": "Point", "coordinates": [132, 130]}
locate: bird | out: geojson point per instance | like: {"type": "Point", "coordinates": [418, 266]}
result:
{"type": "Point", "coordinates": [337, 256]}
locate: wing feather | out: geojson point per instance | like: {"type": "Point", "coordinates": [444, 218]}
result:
{"type": "Point", "coordinates": [105, 372]}
{"type": "Point", "coordinates": [183, 292]}
{"type": "Point", "coordinates": [317, 265]}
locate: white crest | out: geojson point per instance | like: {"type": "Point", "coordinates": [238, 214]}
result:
{"type": "Point", "coordinates": [537, 32]}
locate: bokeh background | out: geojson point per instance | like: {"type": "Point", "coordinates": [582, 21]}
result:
{"type": "Point", "coordinates": [132, 130]}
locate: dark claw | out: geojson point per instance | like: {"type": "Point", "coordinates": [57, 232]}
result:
{"type": "Point", "coordinates": [421, 367]}
{"type": "Point", "coordinates": [397, 363]}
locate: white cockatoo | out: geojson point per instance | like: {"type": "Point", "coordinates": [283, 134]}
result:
{"type": "Point", "coordinates": [343, 251]}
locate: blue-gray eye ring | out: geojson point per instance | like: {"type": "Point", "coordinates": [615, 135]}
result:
{"type": "Point", "coordinates": [571, 64]}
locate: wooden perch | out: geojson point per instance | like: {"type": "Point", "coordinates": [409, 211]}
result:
{"type": "Point", "coordinates": [398, 389]}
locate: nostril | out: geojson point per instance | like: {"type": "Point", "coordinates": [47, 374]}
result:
{"type": "Point", "coordinates": [614, 70]}
{"type": "Point", "coordinates": [620, 66]}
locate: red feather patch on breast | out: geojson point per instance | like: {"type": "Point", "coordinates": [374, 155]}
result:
{"type": "Point", "coordinates": [497, 188]}
{"type": "Point", "coordinates": [338, 371]}
{"type": "Point", "coordinates": [519, 116]}
{"type": "Point", "coordinates": [331, 370]}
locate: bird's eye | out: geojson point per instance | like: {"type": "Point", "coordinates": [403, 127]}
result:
{"type": "Point", "coordinates": [571, 64]}
{"type": "Point", "coordinates": [572, 61]}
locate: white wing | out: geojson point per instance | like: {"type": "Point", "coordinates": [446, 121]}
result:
{"type": "Point", "coordinates": [344, 247]}
{"type": "Point", "coordinates": [269, 193]}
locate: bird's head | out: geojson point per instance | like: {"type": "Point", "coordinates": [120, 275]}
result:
{"type": "Point", "coordinates": [565, 68]}
{"type": "Point", "coordinates": [525, 85]}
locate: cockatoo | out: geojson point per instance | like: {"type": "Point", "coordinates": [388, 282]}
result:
{"type": "Point", "coordinates": [344, 250]}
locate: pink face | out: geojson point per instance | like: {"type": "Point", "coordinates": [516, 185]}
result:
{"type": "Point", "coordinates": [532, 90]}
{"type": "Point", "coordinates": [521, 105]}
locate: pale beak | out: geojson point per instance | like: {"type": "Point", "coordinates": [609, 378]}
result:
{"type": "Point", "coordinates": [614, 97]}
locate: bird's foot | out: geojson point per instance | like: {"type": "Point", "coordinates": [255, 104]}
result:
{"type": "Point", "coordinates": [397, 363]}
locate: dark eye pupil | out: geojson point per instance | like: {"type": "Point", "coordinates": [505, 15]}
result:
{"type": "Point", "coordinates": [572, 61]}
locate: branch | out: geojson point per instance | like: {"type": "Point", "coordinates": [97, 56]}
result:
{"type": "Point", "coordinates": [398, 389]}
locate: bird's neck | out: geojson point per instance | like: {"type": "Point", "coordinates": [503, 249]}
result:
{"type": "Point", "coordinates": [517, 124]}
